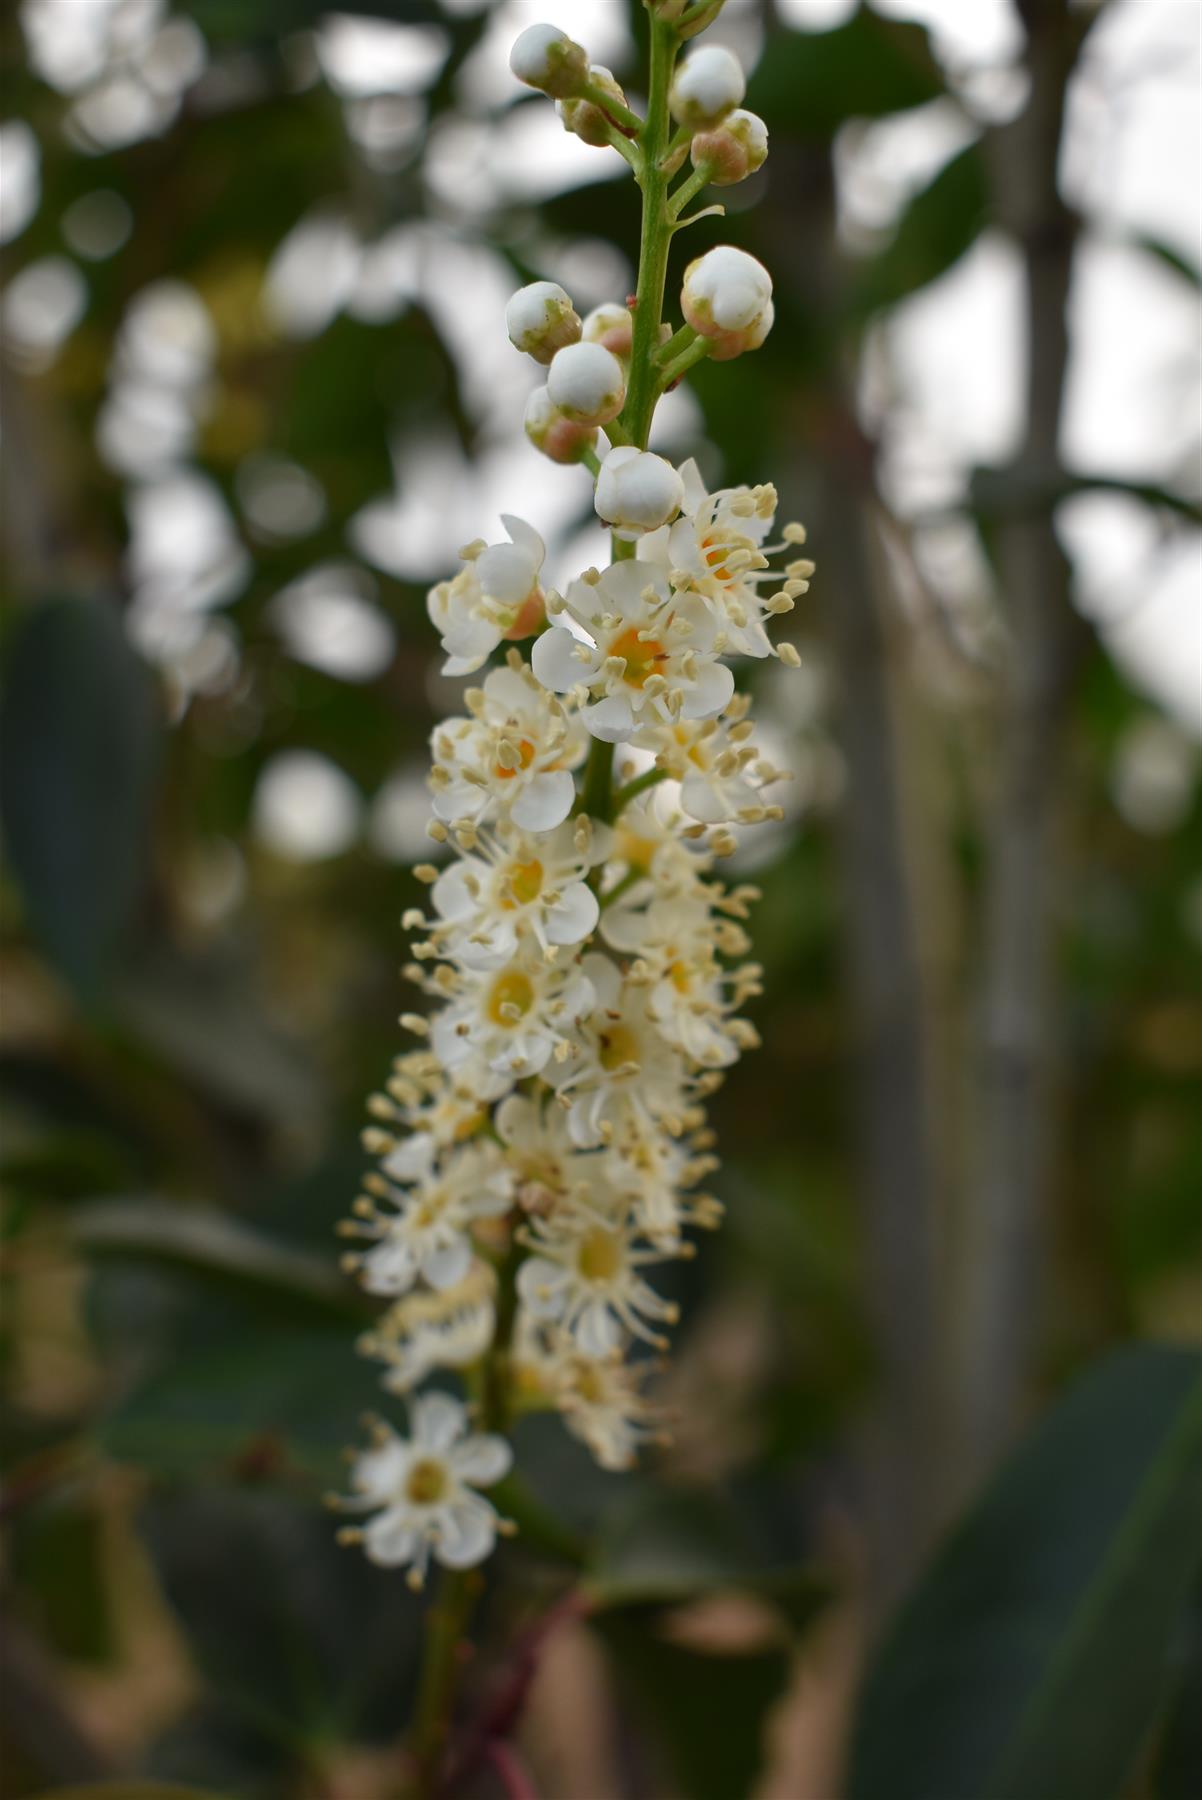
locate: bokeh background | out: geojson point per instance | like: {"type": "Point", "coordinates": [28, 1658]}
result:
{"type": "Point", "coordinates": [256, 392]}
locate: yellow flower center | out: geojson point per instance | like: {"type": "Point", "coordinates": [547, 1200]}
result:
{"type": "Point", "coordinates": [509, 992]}
{"type": "Point", "coordinates": [526, 757]}
{"type": "Point", "coordinates": [525, 882]}
{"type": "Point", "coordinates": [641, 654]}
{"type": "Point", "coordinates": [618, 1045]}
{"type": "Point", "coordinates": [426, 1482]}
{"type": "Point", "coordinates": [681, 976]}
{"type": "Point", "coordinates": [600, 1255]}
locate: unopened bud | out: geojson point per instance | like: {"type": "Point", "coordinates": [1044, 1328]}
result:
{"type": "Point", "coordinates": [611, 326]}
{"type": "Point", "coordinates": [557, 437]}
{"type": "Point", "coordinates": [584, 118]}
{"type": "Point", "coordinates": [637, 491]}
{"type": "Point", "coordinates": [587, 384]}
{"type": "Point", "coordinates": [547, 58]}
{"type": "Point", "coordinates": [727, 297]}
{"type": "Point", "coordinates": [708, 85]}
{"type": "Point", "coordinates": [733, 150]}
{"type": "Point", "coordinates": [541, 319]}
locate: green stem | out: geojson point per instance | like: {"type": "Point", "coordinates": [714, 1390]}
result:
{"type": "Point", "coordinates": [680, 340]}
{"type": "Point", "coordinates": [615, 112]}
{"type": "Point", "coordinates": [446, 1623]}
{"type": "Point", "coordinates": [648, 779]}
{"type": "Point", "coordinates": [654, 241]}
{"type": "Point", "coordinates": [622, 887]}
{"type": "Point", "coordinates": [677, 367]}
{"type": "Point", "coordinates": [701, 177]}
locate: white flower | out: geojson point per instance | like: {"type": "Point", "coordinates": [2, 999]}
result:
{"type": "Point", "coordinates": [508, 1023]}
{"type": "Point", "coordinates": [495, 595]}
{"type": "Point", "coordinates": [549, 431]}
{"type": "Point", "coordinates": [727, 297]}
{"type": "Point", "coordinates": [622, 1072]}
{"type": "Point", "coordinates": [546, 1164]}
{"type": "Point", "coordinates": [428, 1231]}
{"type": "Point", "coordinates": [637, 490]}
{"type": "Point", "coordinates": [720, 770]}
{"type": "Point", "coordinates": [514, 887]}
{"type": "Point", "coordinates": [600, 1398]}
{"type": "Point", "coordinates": [708, 84]}
{"type": "Point", "coordinates": [587, 383]}
{"type": "Point", "coordinates": [732, 150]}
{"type": "Point", "coordinates": [422, 1490]}
{"type": "Point", "coordinates": [676, 941]}
{"type": "Point", "coordinates": [647, 653]}
{"type": "Point", "coordinates": [541, 319]}
{"type": "Point", "coordinates": [513, 756]}
{"type": "Point", "coordinates": [716, 549]}
{"type": "Point", "coordinates": [445, 1329]}
{"type": "Point", "coordinates": [545, 57]}
{"type": "Point", "coordinates": [584, 1276]}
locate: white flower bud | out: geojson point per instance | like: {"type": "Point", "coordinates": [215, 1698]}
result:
{"type": "Point", "coordinates": [547, 58]}
{"type": "Point", "coordinates": [708, 85]}
{"type": "Point", "coordinates": [611, 326]}
{"type": "Point", "coordinates": [586, 119]}
{"type": "Point", "coordinates": [733, 150]}
{"type": "Point", "coordinates": [727, 297]}
{"type": "Point", "coordinates": [637, 491]}
{"type": "Point", "coordinates": [550, 432]}
{"type": "Point", "coordinates": [587, 384]}
{"type": "Point", "coordinates": [540, 320]}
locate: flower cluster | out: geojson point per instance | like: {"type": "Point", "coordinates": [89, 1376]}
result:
{"type": "Point", "coordinates": [540, 1156]}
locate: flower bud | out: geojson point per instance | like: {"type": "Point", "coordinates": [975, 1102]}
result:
{"type": "Point", "coordinates": [637, 491]}
{"type": "Point", "coordinates": [727, 297]}
{"type": "Point", "coordinates": [733, 150]}
{"type": "Point", "coordinates": [708, 85]}
{"type": "Point", "coordinates": [584, 117]}
{"type": "Point", "coordinates": [540, 320]}
{"type": "Point", "coordinates": [554, 435]}
{"type": "Point", "coordinates": [586, 383]}
{"type": "Point", "coordinates": [611, 326]}
{"type": "Point", "coordinates": [547, 58]}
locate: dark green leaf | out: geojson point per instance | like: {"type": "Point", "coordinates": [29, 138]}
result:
{"type": "Point", "coordinates": [78, 752]}
{"type": "Point", "coordinates": [938, 226]}
{"type": "Point", "coordinates": [812, 82]}
{"type": "Point", "coordinates": [1033, 1657]}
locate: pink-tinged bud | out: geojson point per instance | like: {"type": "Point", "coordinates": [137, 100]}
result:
{"type": "Point", "coordinates": [532, 616]}
{"type": "Point", "coordinates": [585, 118]}
{"type": "Point", "coordinates": [611, 326]}
{"type": "Point", "coordinates": [555, 436]}
{"type": "Point", "coordinates": [637, 491]}
{"type": "Point", "coordinates": [709, 84]}
{"type": "Point", "coordinates": [733, 150]}
{"type": "Point", "coordinates": [546, 58]}
{"type": "Point", "coordinates": [540, 320]}
{"type": "Point", "coordinates": [727, 297]}
{"type": "Point", "coordinates": [587, 384]}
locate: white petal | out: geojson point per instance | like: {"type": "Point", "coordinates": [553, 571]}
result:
{"type": "Point", "coordinates": [452, 894]}
{"type": "Point", "coordinates": [545, 801]}
{"type": "Point", "coordinates": [605, 978]}
{"type": "Point", "coordinates": [555, 661]}
{"type": "Point", "coordinates": [702, 799]}
{"type": "Point", "coordinates": [574, 916]}
{"type": "Point", "coordinates": [506, 573]}
{"type": "Point", "coordinates": [443, 1267]}
{"type": "Point", "coordinates": [527, 537]}
{"type": "Point", "coordinates": [597, 1331]}
{"type": "Point", "coordinates": [541, 1284]}
{"type": "Point", "coordinates": [625, 928]}
{"type": "Point", "coordinates": [482, 1459]}
{"type": "Point", "coordinates": [610, 719]}
{"type": "Point", "coordinates": [694, 487]}
{"type": "Point", "coordinates": [437, 1421]}
{"type": "Point", "coordinates": [467, 1533]}
{"type": "Point", "coordinates": [389, 1539]}
{"type": "Point", "coordinates": [412, 1159]}
{"type": "Point", "coordinates": [390, 1268]}
{"type": "Point", "coordinates": [506, 689]}
{"type": "Point", "coordinates": [379, 1472]}
{"type": "Point", "coordinates": [710, 691]}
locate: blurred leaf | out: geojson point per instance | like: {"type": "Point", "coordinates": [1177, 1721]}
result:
{"type": "Point", "coordinates": [1033, 1656]}
{"type": "Point", "coordinates": [268, 20]}
{"type": "Point", "coordinates": [1178, 1773]}
{"type": "Point", "coordinates": [1171, 259]}
{"type": "Point", "coordinates": [811, 82]}
{"type": "Point", "coordinates": [57, 1558]}
{"type": "Point", "coordinates": [127, 1790]}
{"type": "Point", "coordinates": [709, 1709]}
{"type": "Point", "coordinates": [209, 1241]}
{"type": "Point", "coordinates": [937, 227]}
{"type": "Point", "coordinates": [78, 752]}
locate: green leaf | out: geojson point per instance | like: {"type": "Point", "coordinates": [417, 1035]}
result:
{"type": "Point", "coordinates": [127, 1790]}
{"type": "Point", "coordinates": [1033, 1657]}
{"type": "Point", "coordinates": [78, 752]}
{"type": "Point", "coordinates": [936, 229]}
{"type": "Point", "coordinates": [810, 83]}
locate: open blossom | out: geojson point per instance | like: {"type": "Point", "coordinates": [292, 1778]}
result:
{"type": "Point", "coordinates": [644, 653]}
{"type": "Point", "coordinates": [422, 1493]}
{"type": "Point", "coordinates": [513, 757]}
{"type": "Point", "coordinates": [495, 595]}
{"type": "Point", "coordinates": [583, 968]}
